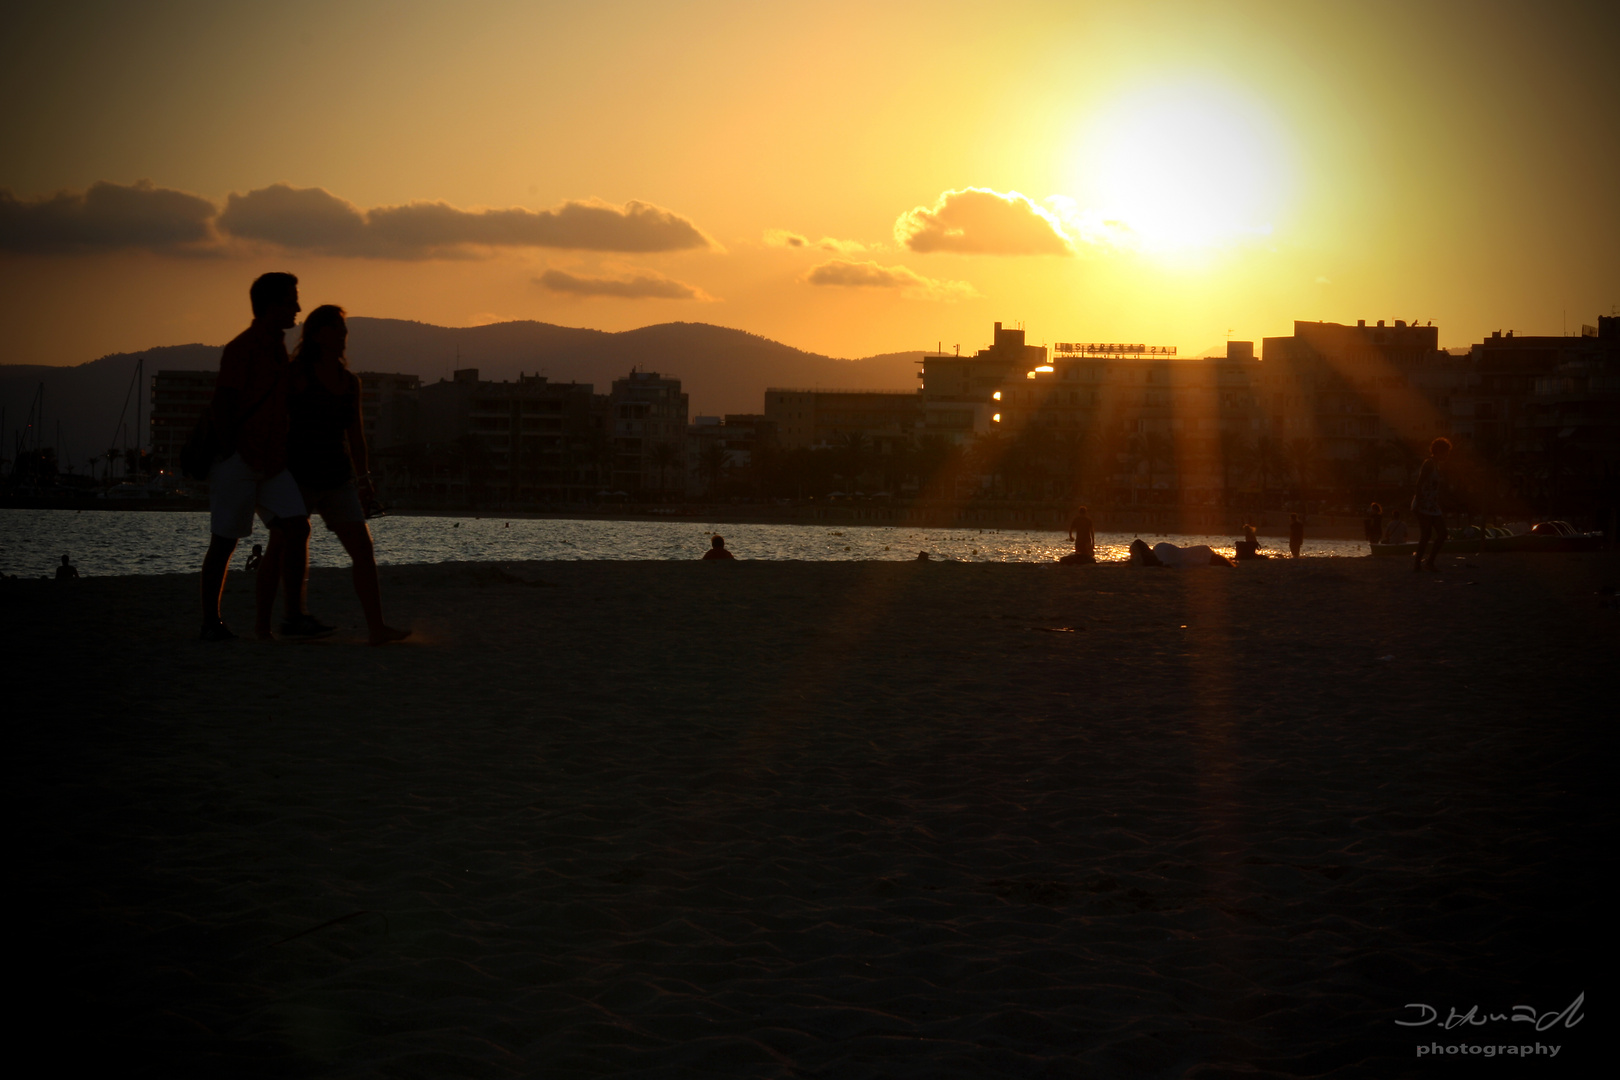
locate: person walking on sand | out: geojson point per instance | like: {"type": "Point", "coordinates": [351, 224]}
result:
{"type": "Point", "coordinates": [326, 452]}
{"type": "Point", "coordinates": [249, 415]}
{"type": "Point", "coordinates": [1426, 505]}
{"type": "Point", "coordinates": [717, 548]}
{"type": "Point", "coordinates": [1296, 534]}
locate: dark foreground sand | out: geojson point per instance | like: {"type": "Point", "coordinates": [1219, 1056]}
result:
{"type": "Point", "coordinates": [818, 819]}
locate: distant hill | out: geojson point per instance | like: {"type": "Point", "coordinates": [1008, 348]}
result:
{"type": "Point", "coordinates": [723, 370]}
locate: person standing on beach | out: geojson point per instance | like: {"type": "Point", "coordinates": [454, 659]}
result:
{"type": "Point", "coordinates": [326, 453]}
{"type": "Point", "coordinates": [717, 549]}
{"type": "Point", "coordinates": [1296, 534]}
{"type": "Point", "coordinates": [1084, 536]}
{"type": "Point", "coordinates": [1426, 505]}
{"type": "Point", "coordinates": [250, 422]}
{"type": "Point", "coordinates": [67, 571]}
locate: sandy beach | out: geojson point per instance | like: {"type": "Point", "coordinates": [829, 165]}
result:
{"type": "Point", "coordinates": [819, 819]}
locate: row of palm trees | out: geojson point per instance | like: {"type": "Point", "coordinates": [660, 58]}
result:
{"type": "Point", "coordinates": [1044, 465]}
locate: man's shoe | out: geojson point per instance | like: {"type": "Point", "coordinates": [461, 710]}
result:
{"type": "Point", "coordinates": [216, 631]}
{"type": "Point", "coordinates": [305, 628]}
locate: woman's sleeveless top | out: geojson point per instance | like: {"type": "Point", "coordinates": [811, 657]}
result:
{"type": "Point", "coordinates": [318, 420]}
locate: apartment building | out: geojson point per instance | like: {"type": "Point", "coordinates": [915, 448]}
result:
{"type": "Point", "coordinates": [388, 409]}
{"type": "Point", "coordinates": [647, 431]}
{"type": "Point", "coordinates": [179, 398]}
{"type": "Point", "coordinates": [718, 447]}
{"type": "Point", "coordinates": [1158, 421]}
{"type": "Point", "coordinates": [957, 391]}
{"type": "Point", "coordinates": [885, 419]}
{"type": "Point", "coordinates": [526, 441]}
{"type": "Point", "coordinates": [1351, 388]}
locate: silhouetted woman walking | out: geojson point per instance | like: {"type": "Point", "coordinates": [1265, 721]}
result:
{"type": "Point", "coordinates": [326, 453]}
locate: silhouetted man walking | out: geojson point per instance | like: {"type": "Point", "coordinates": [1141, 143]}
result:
{"type": "Point", "coordinates": [250, 421]}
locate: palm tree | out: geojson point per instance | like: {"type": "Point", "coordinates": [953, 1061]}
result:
{"type": "Point", "coordinates": [988, 457]}
{"type": "Point", "coordinates": [712, 462]}
{"type": "Point", "coordinates": [663, 455]}
{"type": "Point", "coordinates": [853, 454]}
{"type": "Point", "coordinates": [1271, 460]}
{"type": "Point", "coordinates": [1302, 458]}
{"type": "Point", "coordinates": [1237, 457]}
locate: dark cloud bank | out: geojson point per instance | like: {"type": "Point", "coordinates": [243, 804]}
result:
{"type": "Point", "coordinates": [110, 217]}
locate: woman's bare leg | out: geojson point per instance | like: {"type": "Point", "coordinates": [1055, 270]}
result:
{"type": "Point", "coordinates": [356, 540]}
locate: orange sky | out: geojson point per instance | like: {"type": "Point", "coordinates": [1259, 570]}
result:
{"type": "Point", "coordinates": [846, 178]}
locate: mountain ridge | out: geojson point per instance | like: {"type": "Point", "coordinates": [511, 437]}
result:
{"type": "Point", "coordinates": [722, 370]}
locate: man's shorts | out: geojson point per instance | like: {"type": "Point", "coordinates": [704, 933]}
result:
{"type": "Point", "coordinates": [337, 506]}
{"type": "Point", "coordinates": [235, 491]}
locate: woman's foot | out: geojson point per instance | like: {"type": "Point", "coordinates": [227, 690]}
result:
{"type": "Point", "coordinates": [383, 635]}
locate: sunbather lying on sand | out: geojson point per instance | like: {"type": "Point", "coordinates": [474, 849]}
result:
{"type": "Point", "coordinates": [1163, 554]}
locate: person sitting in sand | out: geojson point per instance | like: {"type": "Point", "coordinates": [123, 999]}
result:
{"type": "Point", "coordinates": [1426, 505]}
{"type": "Point", "coordinates": [1373, 524]}
{"type": "Point", "coordinates": [1249, 546]}
{"type": "Point", "coordinates": [1395, 531]}
{"type": "Point", "coordinates": [326, 453]}
{"type": "Point", "coordinates": [717, 548]}
{"type": "Point", "coordinates": [1192, 556]}
{"type": "Point", "coordinates": [1296, 534]}
{"type": "Point", "coordinates": [254, 559]}
{"type": "Point", "coordinates": [67, 571]}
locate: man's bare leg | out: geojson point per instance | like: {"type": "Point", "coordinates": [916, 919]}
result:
{"type": "Point", "coordinates": [356, 540]}
{"type": "Point", "coordinates": [216, 564]}
{"type": "Point", "coordinates": [266, 584]}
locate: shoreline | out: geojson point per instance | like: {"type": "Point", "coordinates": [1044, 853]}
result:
{"type": "Point", "coordinates": [1043, 517]}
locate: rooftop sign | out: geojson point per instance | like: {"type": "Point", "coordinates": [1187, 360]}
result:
{"type": "Point", "coordinates": [1070, 348]}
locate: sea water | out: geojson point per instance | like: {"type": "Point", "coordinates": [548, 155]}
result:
{"type": "Point", "coordinates": [101, 543]}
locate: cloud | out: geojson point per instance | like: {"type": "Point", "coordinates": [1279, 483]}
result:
{"type": "Point", "coordinates": [115, 216]}
{"type": "Point", "coordinates": [640, 286]}
{"type": "Point", "coordinates": [871, 275]}
{"type": "Point", "coordinates": [107, 217]}
{"type": "Point", "coordinates": [313, 219]}
{"type": "Point", "coordinates": [782, 238]}
{"type": "Point", "coordinates": [978, 221]}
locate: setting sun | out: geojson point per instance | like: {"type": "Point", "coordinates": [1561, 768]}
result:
{"type": "Point", "coordinates": [1184, 165]}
